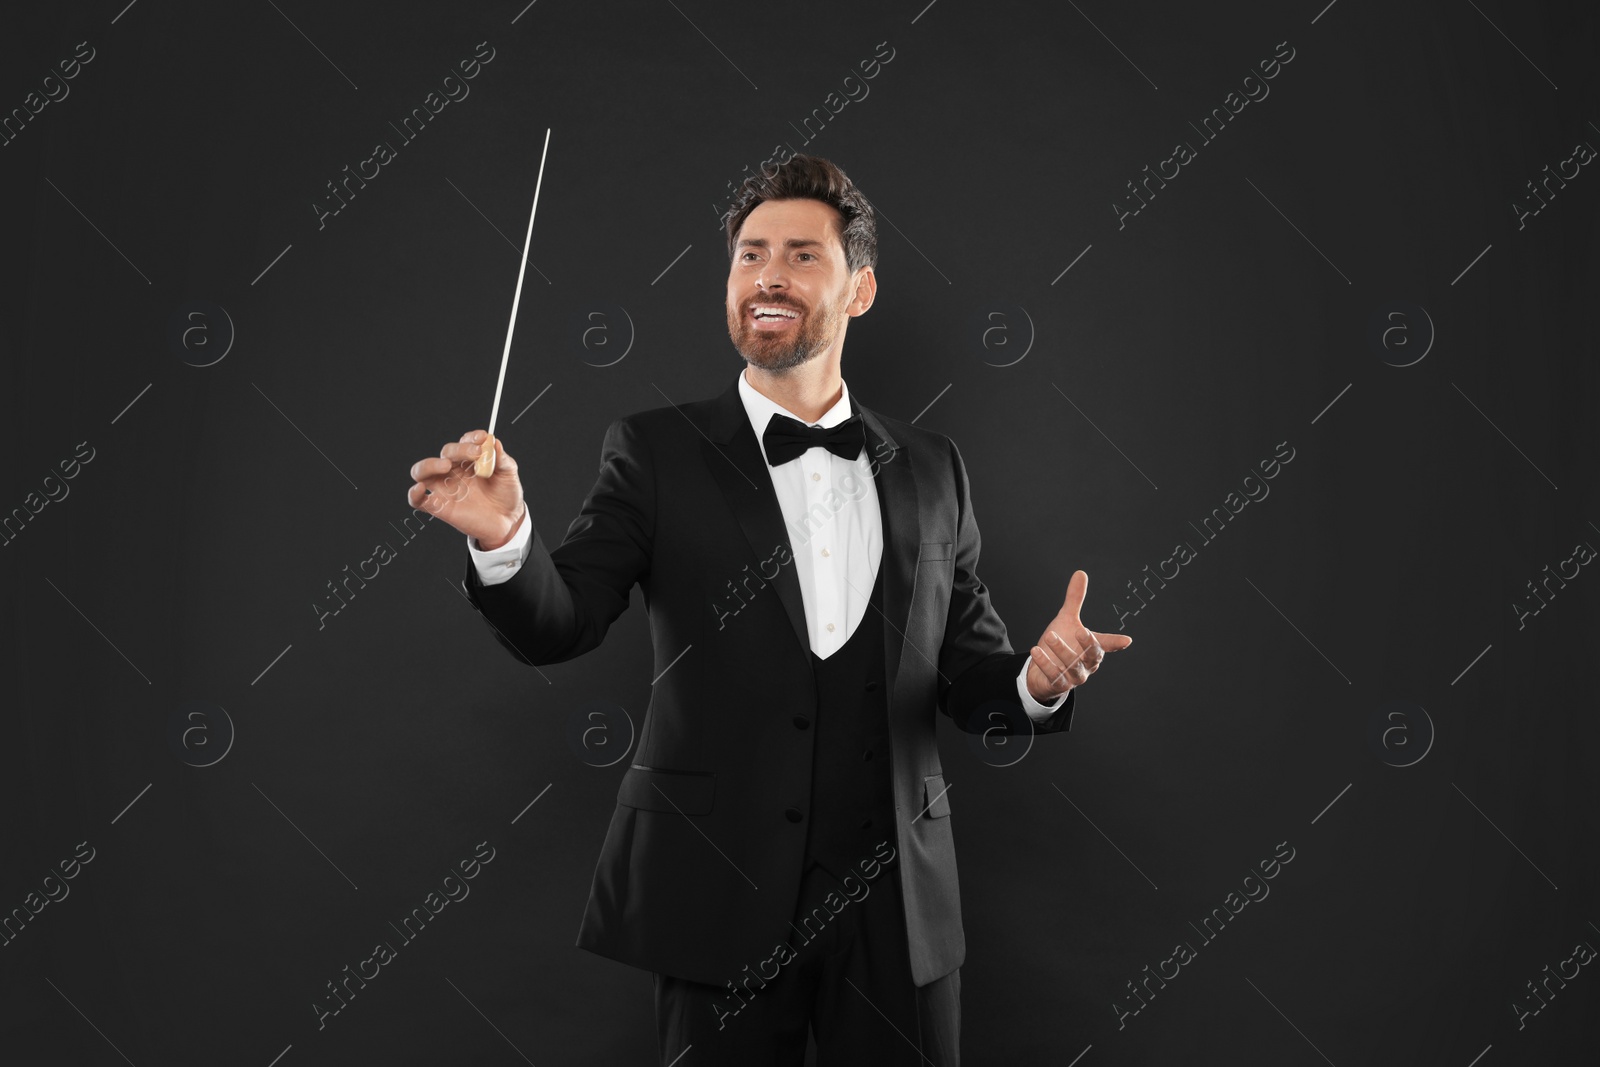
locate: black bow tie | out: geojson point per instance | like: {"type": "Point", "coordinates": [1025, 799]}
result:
{"type": "Point", "coordinates": [786, 438]}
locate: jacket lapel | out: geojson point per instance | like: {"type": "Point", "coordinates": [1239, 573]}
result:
{"type": "Point", "coordinates": [733, 456]}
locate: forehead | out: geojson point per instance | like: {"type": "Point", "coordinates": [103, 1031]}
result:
{"type": "Point", "coordinates": [777, 221]}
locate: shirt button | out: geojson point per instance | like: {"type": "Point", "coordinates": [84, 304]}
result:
{"type": "Point", "coordinates": [802, 723]}
{"type": "Point", "coordinates": [815, 476]}
{"type": "Point", "coordinates": [793, 814]}
{"type": "Point", "coordinates": [867, 754]}
{"type": "Point", "coordinates": [866, 824]}
{"type": "Point", "coordinates": [824, 552]}
{"type": "Point", "coordinates": [830, 627]}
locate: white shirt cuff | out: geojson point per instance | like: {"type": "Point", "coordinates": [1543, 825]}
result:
{"type": "Point", "coordinates": [499, 564]}
{"type": "Point", "coordinates": [1036, 711]}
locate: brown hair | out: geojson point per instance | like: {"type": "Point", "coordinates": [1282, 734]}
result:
{"type": "Point", "coordinates": [805, 177]}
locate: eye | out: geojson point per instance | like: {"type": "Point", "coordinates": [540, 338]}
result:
{"type": "Point", "coordinates": [806, 255]}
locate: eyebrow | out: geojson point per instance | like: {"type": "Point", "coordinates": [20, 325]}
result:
{"type": "Point", "coordinates": [792, 242]}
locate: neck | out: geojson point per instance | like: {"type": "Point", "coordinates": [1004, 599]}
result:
{"type": "Point", "coordinates": [808, 390]}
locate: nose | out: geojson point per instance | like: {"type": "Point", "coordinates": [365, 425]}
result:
{"type": "Point", "coordinates": [770, 276]}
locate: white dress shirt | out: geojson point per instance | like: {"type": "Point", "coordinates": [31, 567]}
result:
{"type": "Point", "coordinates": [830, 508]}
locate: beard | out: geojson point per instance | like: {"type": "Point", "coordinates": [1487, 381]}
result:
{"type": "Point", "coordinates": [781, 351]}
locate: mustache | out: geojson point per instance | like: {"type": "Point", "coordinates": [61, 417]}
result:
{"type": "Point", "coordinates": [774, 301]}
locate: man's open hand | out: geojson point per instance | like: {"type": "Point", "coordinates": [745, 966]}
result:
{"type": "Point", "coordinates": [1069, 652]}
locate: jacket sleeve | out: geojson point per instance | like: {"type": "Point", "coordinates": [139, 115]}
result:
{"type": "Point", "coordinates": [977, 683]}
{"type": "Point", "coordinates": [560, 603]}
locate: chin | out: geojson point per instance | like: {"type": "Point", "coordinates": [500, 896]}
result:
{"type": "Point", "coordinates": [778, 355]}
{"type": "Point", "coordinates": [773, 361]}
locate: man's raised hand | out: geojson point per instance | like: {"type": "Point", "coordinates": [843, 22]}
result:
{"type": "Point", "coordinates": [1069, 652]}
{"type": "Point", "coordinates": [488, 509]}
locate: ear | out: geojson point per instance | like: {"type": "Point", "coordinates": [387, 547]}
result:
{"type": "Point", "coordinates": [866, 290]}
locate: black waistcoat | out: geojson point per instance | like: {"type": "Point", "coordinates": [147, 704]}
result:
{"type": "Point", "coordinates": [852, 799]}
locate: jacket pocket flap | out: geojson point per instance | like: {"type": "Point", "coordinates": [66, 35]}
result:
{"type": "Point", "coordinates": [933, 550]}
{"type": "Point", "coordinates": [655, 789]}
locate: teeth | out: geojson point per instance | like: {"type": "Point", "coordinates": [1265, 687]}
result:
{"type": "Point", "coordinates": [768, 310]}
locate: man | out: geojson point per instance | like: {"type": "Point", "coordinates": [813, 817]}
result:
{"type": "Point", "coordinates": [780, 856]}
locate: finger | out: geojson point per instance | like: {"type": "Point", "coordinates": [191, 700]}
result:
{"type": "Point", "coordinates": [433, 495]}
{"type": "Point", "coordinates": [439, 479]}
{"type": "Point", "coordinates": [1086, 651]}
{"type": "Point", "coordinates": [1062, 678]}
{"type": "Point", "coordinates": [502, 458]}
{"type": "Point", "coordinates": [1076, 588]}
{"type": "Point", "coordinates": [466, 452]}
{"type": "Point", "coordinates": [1092, 652]}
{"type": "Point", "coordinates": [1068, 651]}
{"type": "Point", "coordinates": [461, 451]}
{"type": "Point", "coordinates": [1051, 676]}
{"type": "Point", "coordinates": [418, 497]}
{"type": "Point", "coordinates": [1113, 642]}
{"type": "Point", "coordinates": [433, 467]}
{"type": "Point", "coordinates": [1063, 653]}
{"type": "Point", "coordinates": [438, 483]}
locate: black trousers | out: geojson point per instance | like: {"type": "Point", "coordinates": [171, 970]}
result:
{"type": "Point", "coordinates": [850, 984]}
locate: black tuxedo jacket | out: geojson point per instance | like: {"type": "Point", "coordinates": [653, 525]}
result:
{"type": "Point", "coordinates": [700, 870]}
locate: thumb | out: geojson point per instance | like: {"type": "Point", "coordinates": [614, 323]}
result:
{"type": "Point", "coordinates": [502, 458]}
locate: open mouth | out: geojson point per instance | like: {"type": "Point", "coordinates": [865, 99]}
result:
{"type": "Point", "coordinates": [773, 316]}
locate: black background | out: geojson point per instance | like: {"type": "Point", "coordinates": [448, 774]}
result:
{"type": "Point", "coordinates": [1232, 314]}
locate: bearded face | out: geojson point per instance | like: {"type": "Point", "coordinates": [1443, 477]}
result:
{"type": "Point", "coordinates": [790, 289]}
{"type": "Point", "coordinates": [776, 330]}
